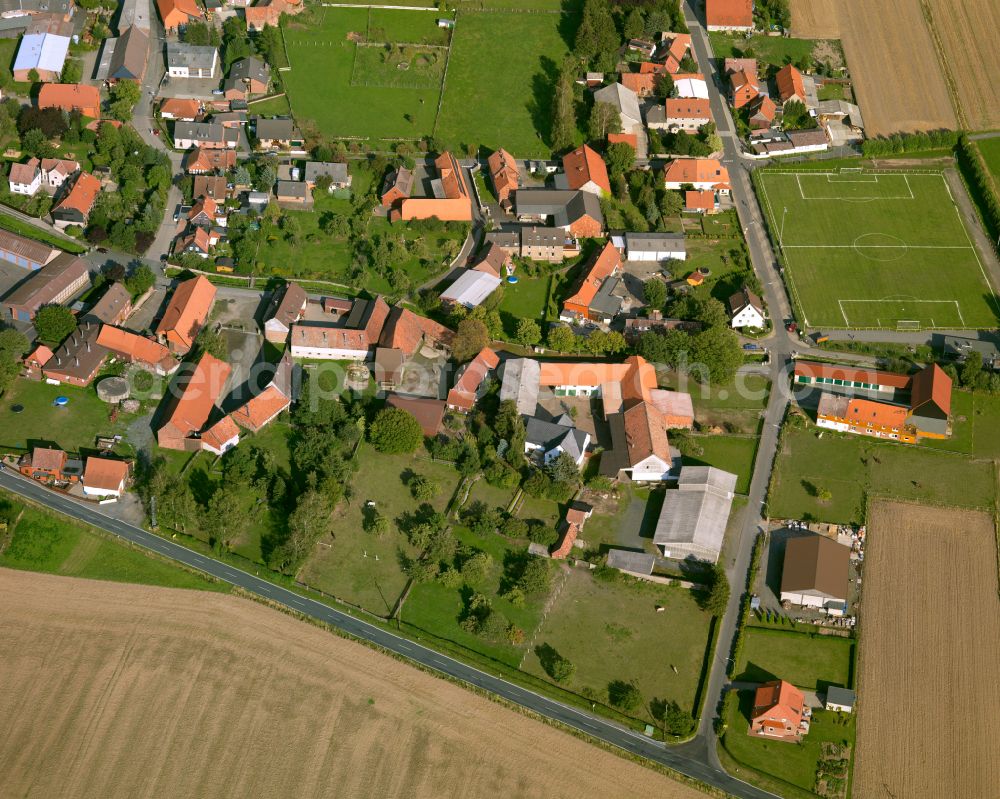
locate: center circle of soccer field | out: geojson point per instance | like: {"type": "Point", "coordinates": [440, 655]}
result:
{"type": "Point", "coordinates": [880, 246]}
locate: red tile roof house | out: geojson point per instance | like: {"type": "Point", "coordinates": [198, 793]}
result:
{"type": "Point", "coordinates": [71, 97]}
{"type": "Point", "coordinates": [274, 400]}
{"type": "Point", "coordinates": [105, 477]}
{"type": "Point", "coordinates": [355, 340]}
{"type": "Point", "coordinates": [584, 170]}
{"type": "Point", "coordinates": [406, 331]}
{"type": "Point", "coordinates": [25, 178]}
{"type": "Point", "coordinates": [729, 15]}
{"type": "Point", "coordinates": [470, 381]}
{"type": "Point", "coordinates": [75, 207]}
{"type": "Point", "coordinates": [701, 201]}
{"type": "Point", "coordinates": [577, 306]}
{"type": "Point", "coordinates": [762, 111]}
{"type": "Point", "coordinates": [201, 161]}
{"type": "Point", "coordinates": [743, 86]}
{"type": "Point", "coordinates": [451, 201]}
{"type": "Point", "coordinates": [504, 174]}
{"type": "Point", "coordinates": [186, 313]}
{"type": "Point", "coordinates": [779, 712]}
{"type": "Point", "coordinates": [790, 85]}
{"type": "Point", "coordinates": [56, 171]}
{"type": "Point", "coordinates": [427, 411]}
{"type": "Point", "coordinates": [686, 113]}
{"type": "Point", "coordinates": [701, 173]}
{"type": "Point", "coordinates": [177, 13]}
{"type": "Point", "coordinates": [49, 466]}
{"type": "Point", "coordinates": [576, 516]}
{"type": "Point", "coordinates": [200, 391]}
{"type": "Point", "coordinates": [139, 350]}
{"type": "Point", "coordinates": [631, 139]}
{"type": "Point", "coordinates": [397, 187]}
{"type": "Point", "coordinates": [183, 110]}
{"type": "Point", "coordinates": [35, 360]}
{"type": "Point", "coordinates": [285, 310]}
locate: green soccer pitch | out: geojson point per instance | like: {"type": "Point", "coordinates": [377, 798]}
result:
{"type": "Point", "coordinates": [877, 250]}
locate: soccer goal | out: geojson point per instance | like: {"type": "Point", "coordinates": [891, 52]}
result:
{"type": "Point", "coordinates": [908, 324]}
{"type": "Point", "coordinates": [855, 170]}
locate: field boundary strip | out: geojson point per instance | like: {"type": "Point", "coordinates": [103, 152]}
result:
{"type": "Point", "coordinates": [909, 300]}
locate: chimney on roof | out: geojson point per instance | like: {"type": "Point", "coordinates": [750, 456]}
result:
{"type": "Point", "coordinates": [88, 345]}
{"type": "Point", "coordinates": [655, 315]}
{"type": "Point", "coordinates": [76, 361]}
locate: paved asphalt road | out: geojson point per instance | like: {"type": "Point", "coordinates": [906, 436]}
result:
{"type": "Point", "coordinates": [594, 726]}
{"type": "Point", "coordinates": [703, 747]}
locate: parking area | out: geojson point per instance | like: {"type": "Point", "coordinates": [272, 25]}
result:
{"type": "Point", "coordinates": [243, 312]}
{"type": "Point", "coordinates": [144, 318]}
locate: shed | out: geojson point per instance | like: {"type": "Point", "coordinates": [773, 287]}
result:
{"type": "Point", "coordinates": [815, 572]}
{"type": "Point", "coordinates": [840, 699]}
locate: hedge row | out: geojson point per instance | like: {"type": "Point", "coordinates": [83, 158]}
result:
{"type": "Point", "coordinates": [981, 184]}
{"type": "Point", "coordinates": [741, 625]}
{"type": "Point", "coordinates": [909, 143]}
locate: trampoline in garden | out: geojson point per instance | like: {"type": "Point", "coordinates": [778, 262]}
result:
{"type": "Point", "coordinates": [512, 278]}
{"type": "Point", "coordinates": [16, 408]}
{"type": "Point", "coordinates": [61, 402]}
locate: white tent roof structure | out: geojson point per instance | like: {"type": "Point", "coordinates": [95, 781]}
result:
{"type": "Point", "coordinates": [471, 288]}
{"type": "Point", "coordinates": [691, 87]}
{"type": "Point", "coordinates": [42, 51]}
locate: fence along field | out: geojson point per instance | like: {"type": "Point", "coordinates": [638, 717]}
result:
{"type": "Point", "coordinates": [119, 691]}
{"type": "Point", "coordinates": [877, 250]}
{"type": "Point", "coordinates": [326, 87]}
{"type": "Point", "coordinates": [929, 680]}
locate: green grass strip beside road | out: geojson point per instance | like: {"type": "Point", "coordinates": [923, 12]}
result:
{"type": "Point", "coordinates": [30, 231]}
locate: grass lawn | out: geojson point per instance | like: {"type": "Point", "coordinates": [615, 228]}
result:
{"type": "Point", "coordinates": [731, 453]}
{"type": "Point", "coordinates": [545, 510]}
{"type": "Point", "coordinates": [408, 27]}
{"type": "Point", "coordinates": [865, 250]}
{"type": "Point", "coordinates": [611, 631]}
{"type": "Point", "coordinates": [492, 496]}
{"type": "Point", "coordinates": [339, 565]}
{"type": "Point", "coordinates": [72, 427]}
{"type": "Point", "coordinates": [735, 406]}
{"type": "Point", "coordinates": [45, 542]}
{"type": "Point", "coordinates": [791, 763]}
{"type": "Point", "coordinates": [30, 231]}
{"type": "Point", "coordinates": [525, 299]}
{"type": "Point", "coordinates": [776, 50]}
{"type": "Point", "coordinates": [275, 107]}
{"type": "Point", "coordinates": [831, 91]}
{"type": "Point", "coordinates": [990, 148]}
{"type": "Point", "coordinates": [266, 521]}
{"type": "Point", "coordinates": [324, 256]}
{"type": "Point", "coordinates": [986, 425]}
{"type": "Point", "coordinates": [809, 662]}
{"type": "Point", "coordinates": [436, 609]}
{"type": "Point", "coordinates": [963, 424]}
{"type": "Point", "coordinates": [501, 80]}
{"type": "Point", "coordinates": [726, 276]}
{"type": "Point", "coordinates": [849, 466]}
{"type": "Point", "coordinates": [322, 62]}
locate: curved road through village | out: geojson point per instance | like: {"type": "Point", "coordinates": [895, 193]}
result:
{"type": "Point", "coordinates": [698, 758]}
{"type": "Point", "coordinates": [587, 723]}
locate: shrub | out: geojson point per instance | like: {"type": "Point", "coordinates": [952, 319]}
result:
{"type": "Point", "coordinates": [395, 430]}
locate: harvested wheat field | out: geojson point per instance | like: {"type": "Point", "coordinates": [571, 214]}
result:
{"type": "Point", "coordinates": [816, 19]}
{"type": "Point", "coordinates": [897, 76]}
{"type": "Point", "coordinates": [968, 34]}
{"type": "Point", "coordinates": [929, 682]}
{"type": "Point", "coordinates": [116, 690]}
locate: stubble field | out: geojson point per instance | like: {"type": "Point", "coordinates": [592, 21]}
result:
{"type": "Point", "coordinates": [897, 77]}
{"type": "Point", "coordinates": [816, 19]}
{"type": "Point", "coordinates": [122, 691]}
{"type": "Point", "coordinates": [929, 681]}
{"type": "Point", "coordinates": [967, 32]}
